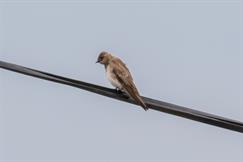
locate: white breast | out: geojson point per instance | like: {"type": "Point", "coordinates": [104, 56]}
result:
{"type": "Point", "coordinates": [112, 78]}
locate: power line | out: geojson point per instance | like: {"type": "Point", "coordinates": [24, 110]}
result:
{"type": "Point", "coordinates": [151, 103]}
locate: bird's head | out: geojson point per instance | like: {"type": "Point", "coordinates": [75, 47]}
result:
{"type": "Point", "coordinates": [104, 58]}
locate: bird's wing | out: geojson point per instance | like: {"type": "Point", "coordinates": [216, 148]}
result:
{"type": "Point", "coordinates": [125, 78]}
{"type": "Point", "coordinates": [123, 75]}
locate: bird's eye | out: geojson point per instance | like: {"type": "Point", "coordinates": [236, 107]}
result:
{"type": "Point", "coordinates": [101, 58]}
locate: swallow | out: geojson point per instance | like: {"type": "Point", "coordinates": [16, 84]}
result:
{"type": "Point", "coordinates": [120, 77]}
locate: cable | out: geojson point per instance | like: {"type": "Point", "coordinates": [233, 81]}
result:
{"type": "Point", "coordinates": [151, 103]}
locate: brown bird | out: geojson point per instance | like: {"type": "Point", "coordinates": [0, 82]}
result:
{"type": "Point", "coordinates": [120, 77]}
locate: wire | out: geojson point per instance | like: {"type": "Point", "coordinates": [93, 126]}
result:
{"type": "Point", "coordinates": [112, 93]}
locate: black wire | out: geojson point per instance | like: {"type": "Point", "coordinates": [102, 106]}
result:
{"type": "Point", "coordinates": [151, 103]}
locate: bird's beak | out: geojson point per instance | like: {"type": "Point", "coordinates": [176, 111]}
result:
{"type": "Point", "coordinates": [97, 61]}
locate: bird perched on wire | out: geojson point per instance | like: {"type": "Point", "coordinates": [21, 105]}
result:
{"type": "Point", "coordinates": [120, 77]}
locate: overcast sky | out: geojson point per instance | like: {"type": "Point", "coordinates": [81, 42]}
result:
{"type": "Point", "coordinates": [183, 52]}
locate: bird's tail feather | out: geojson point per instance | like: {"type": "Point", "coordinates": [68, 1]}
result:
{"type": "Point", "coordinates": [135, 95]}
{"type": "Point", "coordinates": [140, 101]}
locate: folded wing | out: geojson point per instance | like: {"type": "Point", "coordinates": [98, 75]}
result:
{"type": "Point", "coordinates": [124, 77]}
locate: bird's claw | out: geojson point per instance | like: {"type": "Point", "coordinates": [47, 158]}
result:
{"type": "Point", "coordinates": [118, 91]}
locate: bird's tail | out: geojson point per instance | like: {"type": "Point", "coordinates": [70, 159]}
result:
{"type": "Point", "coordinates": [133, 93]}
{"type": "Point", "coordinates": [140, 101]}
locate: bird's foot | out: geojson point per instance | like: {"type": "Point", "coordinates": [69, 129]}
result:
{"type": "Point", "coordinates": [145, 108]}
{"type": "Point", "coordinates": [121, 93]}
{"type": "Point", "coordinates": [118, 91]}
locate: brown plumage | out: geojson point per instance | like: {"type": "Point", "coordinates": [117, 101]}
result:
{"type": "Point", "coordinates": [120, 77]}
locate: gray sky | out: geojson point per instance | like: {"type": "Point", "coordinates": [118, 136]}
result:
{"type": "Point", "coordinates": [184, 52]}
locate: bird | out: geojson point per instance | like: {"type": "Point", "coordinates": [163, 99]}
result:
{"type": "Point", "coordinates": [120, 77]}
